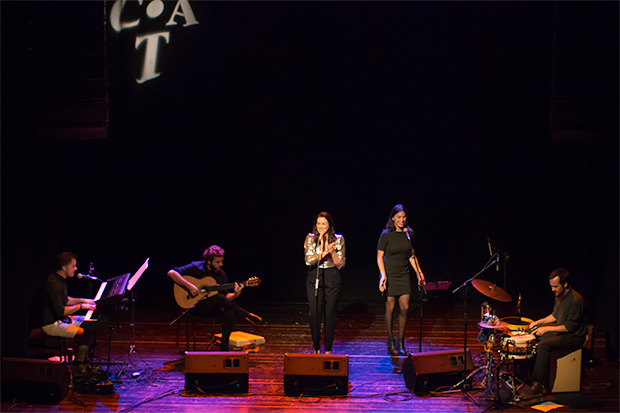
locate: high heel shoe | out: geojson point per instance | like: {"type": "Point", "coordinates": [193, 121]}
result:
{"type": "Point", "coordinates": [401, 347]}
{"type": "Point", "coordinates": [391, 347]}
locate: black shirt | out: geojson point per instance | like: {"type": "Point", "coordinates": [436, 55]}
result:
{"type": "Point", "coordinates": [55, 299]}
{"type": "Point", "coordinates": [569, 312]}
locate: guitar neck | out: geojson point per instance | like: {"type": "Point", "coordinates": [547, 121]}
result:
{"type": "Point", "coordinates": [207, 287]}
{"type": "Point", "coordinates": [223, 287]}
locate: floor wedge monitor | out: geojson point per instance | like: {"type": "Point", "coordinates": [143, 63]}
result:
{"type": "Point", "coordinates": [426, 372]}
{"type": "Point", "coordinates": [322, 374]}
{"type": "Point", "coordinates": [33, 380]}
{"type": "Point", "coordinates": [209, 372]}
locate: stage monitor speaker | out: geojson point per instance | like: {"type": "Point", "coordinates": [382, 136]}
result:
{"type": "Point", "coordinates": [322, 374]}
{"type": "Point", "coordinates": [426, 372]}
{"type": "Point", "coordinates": [32, 380]}
{"type": "Point", "coordinates": [216, 372]}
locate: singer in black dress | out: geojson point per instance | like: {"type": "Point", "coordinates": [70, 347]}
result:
{"type": "Point", "coordinates": [324, 255]}
{"type": "Point", "coordinates": [395, 254]}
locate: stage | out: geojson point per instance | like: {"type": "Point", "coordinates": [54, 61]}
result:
{"type": "Point", "coordinates": [152, 375]}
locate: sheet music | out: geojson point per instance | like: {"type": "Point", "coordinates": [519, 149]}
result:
{"type": "Point", "coordinates": [133, 280]}
{"type": "Point", "coordinates": [89, 314]}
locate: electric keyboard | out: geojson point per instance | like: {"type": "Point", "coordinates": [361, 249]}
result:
{"type": "Point", "coordinates": [110, 292]}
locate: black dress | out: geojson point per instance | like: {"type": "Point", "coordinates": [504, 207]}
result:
{"type": "Point", "coordinates": [397, 248]}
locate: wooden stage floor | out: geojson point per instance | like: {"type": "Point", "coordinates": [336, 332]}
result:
{"type": "Point", "coordinates": [151, 379]}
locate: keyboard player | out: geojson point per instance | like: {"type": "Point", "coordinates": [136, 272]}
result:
{"type": "Point", "coordinates": [59, 309]}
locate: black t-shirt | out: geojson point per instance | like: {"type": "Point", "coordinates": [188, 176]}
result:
{"type": "Point", "coordinates": [198, 269]}
{"type": "Point", "coordinates": [397, 248]}
{"type": "Point", "coordinates": [55, 299]}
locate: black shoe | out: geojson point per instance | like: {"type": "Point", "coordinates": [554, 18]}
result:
{"type": "Point", "coordinates": [401, 347]}
{"type": "Point", "coordinates": [253, 318]}
{"type": "Point", "coordinates": [84, 368]}
{"type": "Point", "coordinates": [391, 347]}
{"type": "Point", "coordinates": [531, 392]}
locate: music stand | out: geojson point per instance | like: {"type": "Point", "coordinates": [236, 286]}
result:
{"type": "Point", "coordinates": [132, 323]}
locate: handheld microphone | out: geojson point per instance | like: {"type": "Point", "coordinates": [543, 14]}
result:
{"type": "Point", "coordinates": [89, 277]}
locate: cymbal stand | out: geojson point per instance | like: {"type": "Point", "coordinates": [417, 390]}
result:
{"type": "Point", "coordinates": [502, 258]}
{"type": "Point", "coordinates": [464, 286]}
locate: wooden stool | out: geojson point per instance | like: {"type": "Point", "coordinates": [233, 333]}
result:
{"type": "Point", "coordinates": [45, 341]}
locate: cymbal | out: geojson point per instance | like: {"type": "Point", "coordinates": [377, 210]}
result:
{"type": "Point", "coordinates": [491, 290]}
{"type": "Point", "coordinates": [501, 326]}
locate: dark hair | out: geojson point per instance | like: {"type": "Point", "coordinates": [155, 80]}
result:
{"type": "Point", "coordinates": [212, 252]}
{"type": "Point", "coordinates": [559, 272]}
{"type": "Point", "coordinates": [64, 258]}
{"type": "Point", "coordinates": [390, 223]}
{"type": "Point", "coordinates": [331, 231]}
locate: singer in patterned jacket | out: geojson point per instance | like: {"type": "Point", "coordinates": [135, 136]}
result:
{"type": "Point", "coordinates": [325, 256]}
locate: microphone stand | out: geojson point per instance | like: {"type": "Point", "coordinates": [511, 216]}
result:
{"type": "Point", "coordinates": [132, 344]}
{"type": "Point", "coordinates": [464, 286]}
{"type": "Point", "coordinates": [424, 299]}
{"type": "Point", "coordinates": [316, 293]}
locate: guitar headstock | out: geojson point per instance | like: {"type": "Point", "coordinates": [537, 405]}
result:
{"type": "Point", "coordinates": [253, 282]}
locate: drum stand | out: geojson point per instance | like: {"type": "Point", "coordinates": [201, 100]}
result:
{"type": "Point", "coordinates": [488, 352]}
{"type": "Point", "coordinates": [510, 380]}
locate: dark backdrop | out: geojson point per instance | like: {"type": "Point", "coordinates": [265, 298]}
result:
{"type": "Point", "coordinates": [267, 113]}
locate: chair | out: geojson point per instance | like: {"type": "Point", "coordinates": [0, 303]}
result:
{"type": "Point", "coordinates": [190, 321]}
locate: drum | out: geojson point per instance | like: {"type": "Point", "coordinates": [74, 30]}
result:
{"type": "Point", "coordinates": [517, 323]}
{"type": "Point", "coordinates": [518, 345]}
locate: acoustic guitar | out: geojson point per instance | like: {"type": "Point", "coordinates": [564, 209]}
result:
{"type": "Point", "coordinates": [207, 287]}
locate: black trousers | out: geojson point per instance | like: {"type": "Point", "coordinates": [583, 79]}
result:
{"type": "Point", "coordinates": [548, 342]}
{"type": "Point", "coordinates": [219, 304]}
{"type": "Point", "coordinates": [323, 304]}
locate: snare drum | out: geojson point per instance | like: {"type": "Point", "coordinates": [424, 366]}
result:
{"type": "Point", "coordinates": [518, 345]}
{"type": "Point", "coordinates": [516, 323]}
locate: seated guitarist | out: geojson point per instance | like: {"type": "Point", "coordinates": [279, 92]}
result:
{"type": "Point", "coordinates": [211, 266]}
